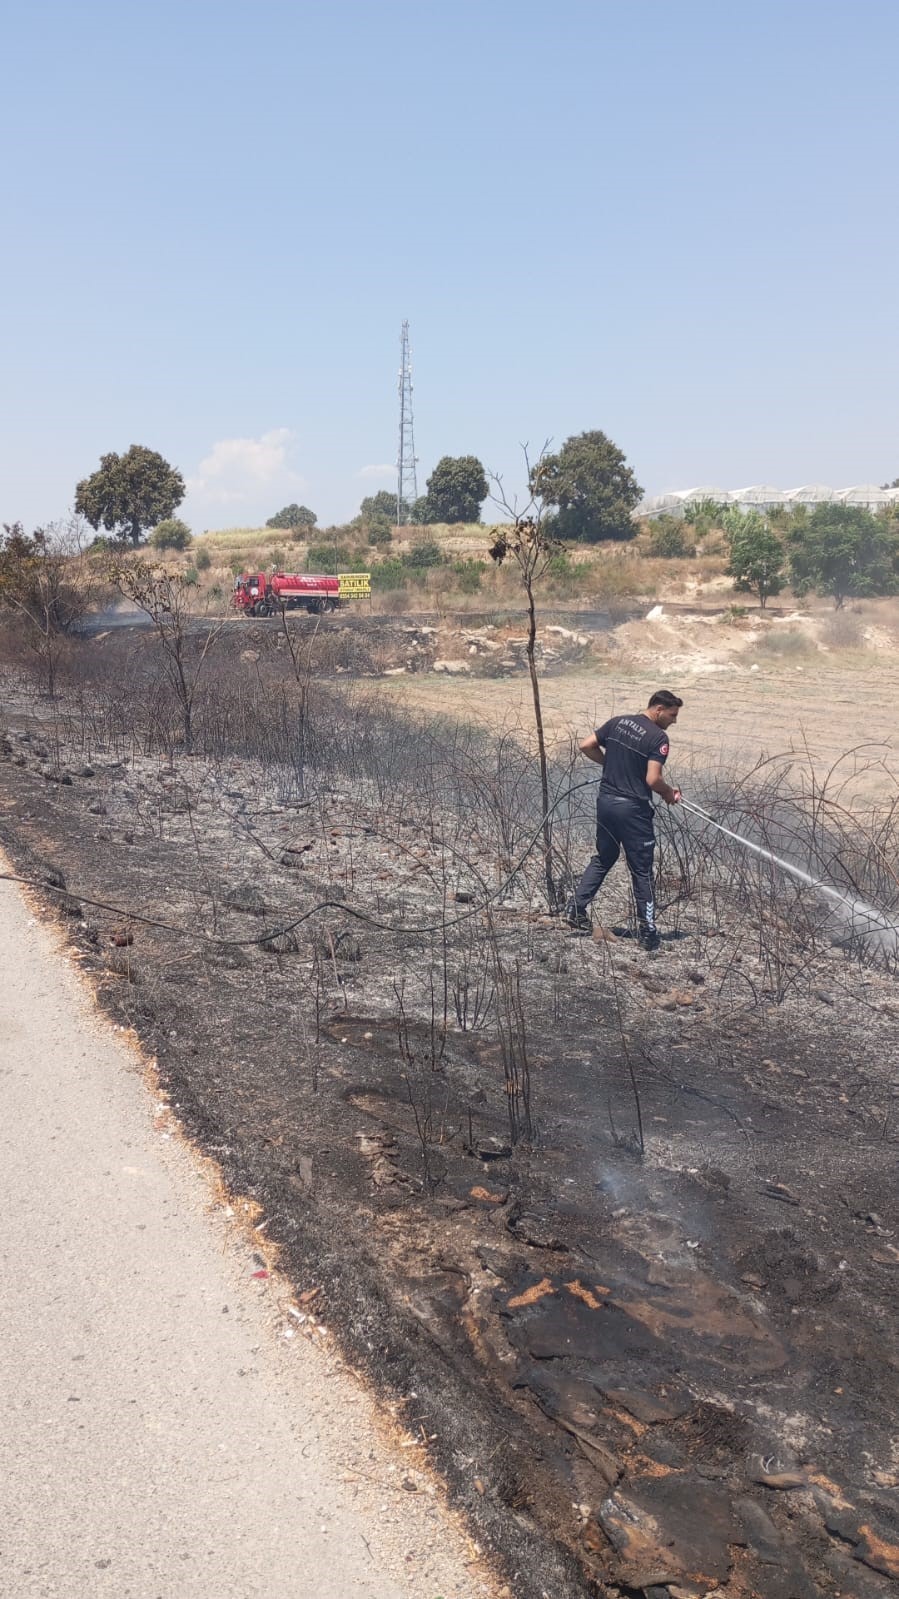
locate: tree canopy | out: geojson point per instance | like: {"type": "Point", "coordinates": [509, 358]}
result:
{"type": "Point", "coordinates": [293, 516]}
{"type": "Point", "coordinates": [844, 551]}
{"type": "Point", "coordinates": [130, 493]}
{"type": "Point", "coordinates": [457, 488]}
{"type": "Point", "coordinates": [592, 487]}
{"type": "Point", "coordinates": [379, 507]}
{"type": "Point", "coordinates": [757, 556]}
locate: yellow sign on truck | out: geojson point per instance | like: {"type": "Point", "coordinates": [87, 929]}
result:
{"type": "Point", "coordinates": [353, 585]}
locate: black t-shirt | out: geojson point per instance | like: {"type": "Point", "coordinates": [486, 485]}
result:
{"type": "Point", "coordinates": [630, 743]}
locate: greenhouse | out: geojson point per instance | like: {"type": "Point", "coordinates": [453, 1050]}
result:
{"type": "Point", "coordinates": [765, 497]}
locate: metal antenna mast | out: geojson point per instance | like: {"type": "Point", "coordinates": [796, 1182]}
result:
{"type": "Point", "coordinates": [406, 478]}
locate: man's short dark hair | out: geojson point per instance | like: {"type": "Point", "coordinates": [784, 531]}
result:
{"type": "Point", "coordinates": [666, 699]}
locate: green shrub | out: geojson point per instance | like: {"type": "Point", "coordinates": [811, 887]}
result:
{"type": "Point", "coordinates": [171, 534]}
{"type": "Point", "coordinates": [468, 575]}
{"type": "Point", "coordinates": [704, 515]}
{"type": "Point", "coordinates": [328, 558]}
{"type": "Point", "coordinates": [669, 540]}
{"type": "Point", "coordinates": [390, 574]}
{"type": "Point", "coordinates": [566, 576]}
{"type": "Point", "coordinates": [426, 553]}
{"type": "Point", "coordinates": [202, 560]}
{"type": "Point", "coordinates": [192, 577]}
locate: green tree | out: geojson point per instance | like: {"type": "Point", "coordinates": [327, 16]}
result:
{"type": "Point", "coordinates": [844, 551]}
{"type": "Point", "coordinates": [420, 512]}
{"type": "Point", "coordinates": [130, 493]}
{"type": "Point", "coordinates": [377, 516]}
{"type": "Point", "coordinates": [172, 534]}
{"type": "Point", "coordinates": [379, 507]}
{"type": "Point", "coordinates": [293, 516]}
{"type": "Point", "coordinates": [593, 488]}
{"type": "Point", "coordinates": [757, 558]}
{"type": "Point", "coordinates": [457, 488]}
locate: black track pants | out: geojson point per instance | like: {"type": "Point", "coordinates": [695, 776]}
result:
{"type": "Point", "coordinates": [622, 824]}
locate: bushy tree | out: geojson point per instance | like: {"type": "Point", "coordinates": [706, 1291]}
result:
{"type": "Point", "coordinates": [668, 538]}
{"type": "Point", "coordinates": [380, 506]}
{"type": "Point", "coordinates": [377, 516]}
{"type": "Point", "coordinates": [130, 493]}
{"type": "Point", "coordinates": [593, 489]}
{"type": "Point", "coordinates": [292, 517]}
{"type": "Point", "coordinates": [757, 558]}
{"type": "Point", "coordinates": [844, 551]}
{"type": "Point", "coordinates": [172, 534]}
{"type": "Point", "coordinates": [457, 488]}
{"type": "Point", "coordinates": [418, 511]}
{"type": "Point", "coordinates": [46, 581]}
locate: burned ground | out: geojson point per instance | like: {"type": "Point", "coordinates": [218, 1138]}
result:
{"type": "Point", "coordinates": [621, 1231]}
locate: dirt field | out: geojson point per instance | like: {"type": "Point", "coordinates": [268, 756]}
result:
{"type": "Point", "coordinates": [820, 713]}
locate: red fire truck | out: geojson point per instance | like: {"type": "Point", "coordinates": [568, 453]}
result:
{"type": "Point", "coordinates": [261, 593]}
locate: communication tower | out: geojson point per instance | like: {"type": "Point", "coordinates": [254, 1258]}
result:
{"type": "Point", "coordinates": [406, 477]}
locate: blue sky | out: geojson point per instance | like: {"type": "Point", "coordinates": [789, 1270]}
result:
{"type": "Point", "coordinates": [678, 222]}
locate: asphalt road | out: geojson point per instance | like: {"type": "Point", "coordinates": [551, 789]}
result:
{"type": "Point", "coordinates": [162, 1433]}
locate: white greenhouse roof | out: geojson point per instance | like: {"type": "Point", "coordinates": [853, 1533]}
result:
{"type": "Point", "coordinates": [869, 495]}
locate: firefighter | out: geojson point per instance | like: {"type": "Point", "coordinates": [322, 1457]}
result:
{"type": "Point", "coordinates": [632, 751]}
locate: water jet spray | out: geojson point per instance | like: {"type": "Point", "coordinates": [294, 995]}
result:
{"type": "Point", "coordinates": [865, 921]}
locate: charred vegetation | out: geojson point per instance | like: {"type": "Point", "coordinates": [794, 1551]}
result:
{"type": "Point", "coordinates": [619, 1233]}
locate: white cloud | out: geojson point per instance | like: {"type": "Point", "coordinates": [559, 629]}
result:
{"type": "Point", "coordinates": [377, 471]}
{"type": "Point", "coordinates": [236, 469]}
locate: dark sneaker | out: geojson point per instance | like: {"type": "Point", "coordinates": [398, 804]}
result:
{"type": "Point", "coordinates": [577, 921]}
{"type": "Point", "coordinates": [650, 939]}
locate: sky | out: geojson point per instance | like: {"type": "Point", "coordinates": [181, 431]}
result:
{"type": "Point", "coordinates": [673, 220]}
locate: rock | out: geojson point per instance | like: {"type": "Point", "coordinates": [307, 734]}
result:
{"type": "Point", "coordinates": [452, 667]}
{"type": "Point", "coordinates": [674, 999]}
{"type": "Point", "coordinates": [52, 774]}
{"type": "Point", "coordinates": [86, 771]}
{"type": "Point", "coordinates": [782, 1480]}
{"type": "Point", "coordinates": [252, 656]}
{"type": "Point", "coordinates": [492, 1149]}
{"type": "Point", "coordinates": [245, 897]}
